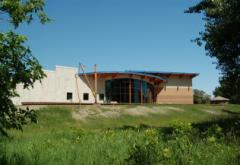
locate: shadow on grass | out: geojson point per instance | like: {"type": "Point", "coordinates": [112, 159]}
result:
{"type": "Point", "coordinates": [231, 112]}
{"type": "Point", "coordinates": [227, 125]}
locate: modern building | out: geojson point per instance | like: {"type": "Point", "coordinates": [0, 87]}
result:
{"type": "Point", "coordinates": [65, 85]}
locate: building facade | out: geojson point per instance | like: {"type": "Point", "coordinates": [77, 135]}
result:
{"type": "Point", "coordinates": [65, 85]}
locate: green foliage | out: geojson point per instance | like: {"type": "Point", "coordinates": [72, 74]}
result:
{"type": "Point", "coordinates": [222, 40]}
{"type": "Point", "coordinates": [146, 152]}
{"type": "Point", "coordinates": [200, 97]}
{"type": "Point", "coordinates": [218, 91]}
{"type": "Point", "coordinates": [23, 11]}
{"type": "Point", "coordinates": [228, 89]}
{"type": "Point", "coordinates": [17, 65]}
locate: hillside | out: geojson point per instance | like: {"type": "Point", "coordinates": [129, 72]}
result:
{"type": "Point", "coordinates": [127, 134]}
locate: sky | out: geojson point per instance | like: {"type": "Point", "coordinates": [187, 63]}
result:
{"type": "Point", "coordinates": [118, 35]}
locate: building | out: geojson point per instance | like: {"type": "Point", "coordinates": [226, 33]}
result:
{"type": "Point", "coordinates": [65, 85]}
{"type": "Point", "coordinates": [219, 100]}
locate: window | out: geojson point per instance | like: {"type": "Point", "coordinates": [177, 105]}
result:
{"type": "Point", "coordinates": [69, 95]}
{"type": "Point", "coordinates": [119, 90]}
{"type": "Point", "coordinates": [101, 96]}
{"type": "Point", "coordinates": [85, 96]}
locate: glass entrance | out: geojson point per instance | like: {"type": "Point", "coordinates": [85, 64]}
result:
{"type": "Point", "coordinates": [123, 90]}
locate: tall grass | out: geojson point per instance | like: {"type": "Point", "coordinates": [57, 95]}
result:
{"type": "Point", "coordinates": [58, 139]}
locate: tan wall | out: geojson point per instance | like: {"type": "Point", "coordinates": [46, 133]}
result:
{"type": "Point", "coordinates": [178, 90]}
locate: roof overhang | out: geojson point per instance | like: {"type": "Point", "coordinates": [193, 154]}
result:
{"type": "Point", "coordinates": [168, 74]}
{"type": "Point", "coordinates": [113, 75]}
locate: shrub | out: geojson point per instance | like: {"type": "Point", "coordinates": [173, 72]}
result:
{"type": "Point", "coordinates": [145, 152]}
{"type": "Point", "coordinates": [200, 97]}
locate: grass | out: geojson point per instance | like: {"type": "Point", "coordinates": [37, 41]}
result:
{"type": "Point", "coordinates": [185, 113]}
{"type": "Point", "coordinates": [113, 135]}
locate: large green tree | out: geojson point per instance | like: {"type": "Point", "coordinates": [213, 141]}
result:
{"type": "Point", "coordinates": [221, 37]}
{"type": "Point", "coordinates": [17, 65]}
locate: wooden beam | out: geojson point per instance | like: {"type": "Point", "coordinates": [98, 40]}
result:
{"type": "Point", "coordinates": [130, 91]}
{"type": "Point", "coordinates": [88, 82]}
{"type": "Point", "coordinates": [95, 83]}
{"type": "Point", "coordinates": [141, 92]}
{"type": "Point", "coordinates": [114, 76]}
{"type": "Point", "coordinates": [168, 75]}
{"type": "Point", "coordinates": [101, 75]}
{"type": "Point", "coordinates": [151, 79]}
{"type": "Point", "coordinates": [181, 75]}
{"type": "Point", "coordinates": [143, 77]}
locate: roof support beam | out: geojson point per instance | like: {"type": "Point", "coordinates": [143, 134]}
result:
{"type": "Point", "coordinates": [130, 91]}
{"type": "Point", "coordinates": [95, 83]}
{"type": "Point", "coordinates": [141, 91]}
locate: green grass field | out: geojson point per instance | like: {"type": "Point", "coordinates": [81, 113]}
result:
{"type": "Point", "coordinates": [127, 134]}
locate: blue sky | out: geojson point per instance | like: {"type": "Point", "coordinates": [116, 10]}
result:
{"type": "Point", "coordinates": [122, 35]}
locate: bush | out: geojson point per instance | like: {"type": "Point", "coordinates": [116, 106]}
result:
{"type": "Point", "coordinates": [200, 97]}
{"type": "Point", "coordinates": [145, 152]}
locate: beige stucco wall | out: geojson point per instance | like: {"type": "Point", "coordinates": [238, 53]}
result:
{"type": "Point", "coordinates": [178, 90]}
{"type": "Point", "coordinates": [86, 88]}
{"type": "Point", "coordinates": [54, 88]}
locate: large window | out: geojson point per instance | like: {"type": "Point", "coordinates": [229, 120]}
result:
{"type": "Point", "coordinates": [119, 90]}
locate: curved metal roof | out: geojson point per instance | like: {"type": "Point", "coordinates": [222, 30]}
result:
{"type": "Point", "coordinates": [130, 73]}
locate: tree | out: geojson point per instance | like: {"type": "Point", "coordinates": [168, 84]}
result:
{"type": "Point", "coordinates": [222, 41]}
{"type": "Point", "coordinates": [200, 97]}
{"type": "Point", "coordinates": [17, 65]}
{"type": "Point", "coordinates": [225, 89]}
{"type": "Point", "coordinates": [218, 91]}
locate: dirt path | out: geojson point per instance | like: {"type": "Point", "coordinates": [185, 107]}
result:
{"type": "Point", "coordinates": [86, 112]}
